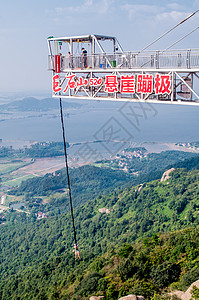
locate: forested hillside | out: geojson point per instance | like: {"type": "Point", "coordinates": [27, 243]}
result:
{"type": "Point", "coordinates": [89, 181]}
{"type": "Point", "coordinates": [37, 260]}
{"type": "Point", "coordinates": [189, 163]}
{"type": "Point", "coordinates": [138, 162]}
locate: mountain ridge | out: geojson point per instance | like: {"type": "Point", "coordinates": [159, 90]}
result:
{"type": "Point", "coordinates": [34, 104]}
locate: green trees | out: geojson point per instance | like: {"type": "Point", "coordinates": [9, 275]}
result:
{"type": "Point", "coordinates": [188, 278]}
{"type": "Point", "coordinates": [89, 284]}
{"type": "Point", "coordinates": [195, 293]}
{"type": "Point", "coordinates": [164, 274]}
{"type": "Point", "coordinates": [125, 250]}
{"type": "Point", "coordinates": [45, 149]}
{"type": "Point", "coordinates": [122, 251]}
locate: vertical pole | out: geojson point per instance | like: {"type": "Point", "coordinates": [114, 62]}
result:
{"type": "Point", "coordinates": [71, 46]}
{"type": "Point", "coordinates": [71, 54]}
{"type": "Point", "coordinates": [142, 95]}
{"type": "Point", "coordinates": [114, 50]}
{"type": "Point", "coordinates": [191, 96]}
{"type": "Point", "coordinates": [175, 86]}
{"type": "Point", "coordinates": [51, 56]}
{"type": "Point", "coordinates": [93, 52]}
{"type": "Point", "coordinates": [92, 89]}
{"type": "Point", "coordinates": [172, 86]}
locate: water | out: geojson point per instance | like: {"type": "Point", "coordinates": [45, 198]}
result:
{"type": "Point", "coordinates": [122, 121]}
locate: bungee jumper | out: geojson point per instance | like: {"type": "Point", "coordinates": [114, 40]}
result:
{"type": "Point", "coordinates": [76, 250]}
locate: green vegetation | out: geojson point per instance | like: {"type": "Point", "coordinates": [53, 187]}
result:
{"type": "Point", "coordinates": [11, 181]}
{"type": "Point", "coordinates": [12, 160]}
{"type": "Point", "coordinates": [36, 150]}
{"type": "Point", "coordinates": [7, 167]}
{"type": "Point", "coordinates": [87, 182]}
{"type": "Point", "coordinates": [123, 251]}
{"type": "Point", "coordinates": [195, 293]}
{"type": "Point", "coordinates": [5, 151]}
{"type": "Point", "coordinates": [45, 149]}
{"type": "Point", "coordinates": [136, 161]}
{"type": "Point", "coordinates": [146, 242]}
{"type": "Point", "coordinates": [90, 181]}
{"type": "Point", "coordinates": [189, 164]}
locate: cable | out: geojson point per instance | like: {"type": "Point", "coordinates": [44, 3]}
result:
{"type": "Point", "coordinates": [182, 38]}
{"type": "Point", "coordinates": [67, 170]}
{"type": "Point", "coordinates": [181, 22]}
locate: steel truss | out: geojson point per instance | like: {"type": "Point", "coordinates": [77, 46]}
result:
{"type": "Point", "coordinates": [183, 83]}
{"type": "Point", "coordinates": [182, 67]}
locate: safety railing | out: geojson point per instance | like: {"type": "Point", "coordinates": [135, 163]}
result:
{"type": "Point", "coordinates": [147, 60]}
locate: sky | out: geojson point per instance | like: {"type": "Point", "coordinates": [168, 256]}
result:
{"type": "Point", "coordinates": [25, 26]}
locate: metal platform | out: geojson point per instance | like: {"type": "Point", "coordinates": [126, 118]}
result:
{"type": "Point", "coordinates": [114, 74]}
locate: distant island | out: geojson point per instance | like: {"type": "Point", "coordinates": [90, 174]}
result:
{"type": "Point", "coordinates": [34, 104]}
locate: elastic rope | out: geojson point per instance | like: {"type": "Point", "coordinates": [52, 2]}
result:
{"type": "Point", "coordinates": [67, 170]}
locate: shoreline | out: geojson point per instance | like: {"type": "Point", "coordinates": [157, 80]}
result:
{"type": "Point", "coordinates": [151, 147]}
{"type": "Point", "coordinates": [156, 147]}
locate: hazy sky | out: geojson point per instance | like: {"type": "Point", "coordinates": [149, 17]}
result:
{"type": "Point", "coordinates": [26, 24]}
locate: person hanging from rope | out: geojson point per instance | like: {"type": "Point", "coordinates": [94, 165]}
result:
{"type": "Point", "coordinates": [76, 250]}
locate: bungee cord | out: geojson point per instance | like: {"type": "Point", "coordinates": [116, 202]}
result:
{"type": "Point", "coordinates": [67, 169]}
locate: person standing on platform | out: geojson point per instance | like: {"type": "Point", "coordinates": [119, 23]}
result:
{"type": "Point", "coordinates": [84, 57]}
{"type": "Point", "coordinates": [70, 60]}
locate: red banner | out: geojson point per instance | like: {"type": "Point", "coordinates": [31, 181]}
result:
{"type": "Point", "coordinates": [142, 83]}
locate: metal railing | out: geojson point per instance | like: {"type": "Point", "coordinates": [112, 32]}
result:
{"type": "Point", "coordinates": [180, 59]}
